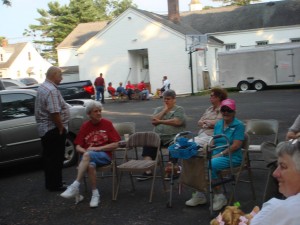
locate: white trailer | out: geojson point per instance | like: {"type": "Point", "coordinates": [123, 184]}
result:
{"type": "Point", "coordinates": [259, 67]}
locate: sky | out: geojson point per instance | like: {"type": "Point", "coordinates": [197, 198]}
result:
{"type": "Point", "coordinates": [15, 19]}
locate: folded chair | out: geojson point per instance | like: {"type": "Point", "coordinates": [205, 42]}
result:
{"type": "Point", "coordinates": [132, 165]}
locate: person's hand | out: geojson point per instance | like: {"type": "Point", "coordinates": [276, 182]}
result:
{"type": "Point", "coordinates": [200, 123]}
{"type": "Point", "coordinates": [155, 122]}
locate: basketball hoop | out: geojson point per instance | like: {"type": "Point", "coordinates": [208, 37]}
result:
{"type": "Point", "coordinates": [195, 42]}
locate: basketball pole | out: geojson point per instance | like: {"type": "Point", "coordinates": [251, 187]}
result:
{"type": "Point", "coordinates": [191, 67]}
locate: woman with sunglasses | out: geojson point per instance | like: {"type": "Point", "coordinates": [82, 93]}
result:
{"type": "Point", "coordinates": [206, 123]}
{"type": "Point", "coordinates": [234, 129]}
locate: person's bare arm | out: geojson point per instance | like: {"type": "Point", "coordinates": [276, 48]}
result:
{"type": "Point", "coordinates": [157, 119]}
{"type": "Point", "coordinates": [55, 117]}
{"type": "Point", "coordinates": [235, 145]}
{"type": "Point", "coordinates": [108, 147]}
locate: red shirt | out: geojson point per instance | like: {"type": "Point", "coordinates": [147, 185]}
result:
{"type": "Point", "coordinates": [95, 135]}
{"type": "Point", "coordinates": [130, 86]}
{"type": "Point", "coordinates": [111, 90]}
{"type": "Point", "coordinates": [99, 81]}
{"type": "Point", "coordinates": [141, 86]}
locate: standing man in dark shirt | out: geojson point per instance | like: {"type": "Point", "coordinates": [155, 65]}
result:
{"type": "Point", "coordinates": [100, 88]}
{"type": "Point", "coordinates": [52, 117]}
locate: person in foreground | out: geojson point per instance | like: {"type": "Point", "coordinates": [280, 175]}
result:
{"type": "Point", "coordinates": [95, 141]}
{"type": "Point", "coordinates": [207, 123]}
{"type": "Point", "coordinates": [234, 129]}
{"type": "Point", "coordinates": [168, 120]}
{"type": "Point", "coordinates": [52, 117]}
{"type": "Point", "coordinates": [284, 212]}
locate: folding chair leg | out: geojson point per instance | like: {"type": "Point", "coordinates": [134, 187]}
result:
{"type": "Point", "coordinates": [118, 185]}
{"type": "Point", "coordinates": [252, 185]}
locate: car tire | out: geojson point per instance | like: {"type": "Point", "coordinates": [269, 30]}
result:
{"type": "Point", "coordinates": [244, 86]}
{"type": "Point", "coordinates": [71, 156]}
{"type": "Point", "coordinates": [259, 85]}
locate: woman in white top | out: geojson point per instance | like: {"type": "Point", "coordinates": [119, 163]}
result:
{"type": "Point", "coordinates": [284, 212]}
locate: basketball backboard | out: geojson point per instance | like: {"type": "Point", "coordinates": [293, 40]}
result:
{"type": "Point", "coordinates": [193, 41]}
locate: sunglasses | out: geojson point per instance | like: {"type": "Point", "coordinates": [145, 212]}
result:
{"type": "Point", "coordinates": [226, 110]}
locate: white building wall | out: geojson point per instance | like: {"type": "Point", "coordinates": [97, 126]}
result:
{"type": "Point", "coordinates": [108, 53]}
{"type": "Point", "coordinates": [248, 38]}
{"type": "Point", "coordinates": [19, 67]}
{"type": "Point", "coordinates": [67, 57]}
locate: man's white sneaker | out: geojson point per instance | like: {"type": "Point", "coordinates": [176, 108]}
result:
{"type": "Point", "coordinates": [196, 200]}
{"type": "Point", "coordinates": [219, 202]}
{"type": "Point", "coordinates": [95, 201]}
{"type": "Point", "coordinates": [71, 192]}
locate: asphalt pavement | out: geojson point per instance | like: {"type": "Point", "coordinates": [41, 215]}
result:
{"type": "Point", "coordinates": [24, 201]}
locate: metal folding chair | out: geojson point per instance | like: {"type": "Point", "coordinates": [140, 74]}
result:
{"type": "Point", "coordinates": [132, 165]}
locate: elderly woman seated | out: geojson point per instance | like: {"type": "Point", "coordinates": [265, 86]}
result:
{"type": "Point", "coordinates": [284, 212]}
{"type": "Point", "coordinates": [234, 130]}
{"type": "Point", "coordinates": [95, 141]}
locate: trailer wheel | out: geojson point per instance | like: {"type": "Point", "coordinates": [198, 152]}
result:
{"type": "Point", "coordinates": [259, 85]}
{"type": "Point", "coordinates": [244, 86]}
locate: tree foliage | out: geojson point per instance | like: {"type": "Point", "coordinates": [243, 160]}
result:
{"type": "Point", "coordinates": [6, 2]}
{"type": "Point", "coordinates": [58, 21]}
{"type": "Point", "coordinates": [237, 2]}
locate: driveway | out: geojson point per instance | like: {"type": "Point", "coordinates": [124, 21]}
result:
{"type": "Point", "coordinates": [24, 201]}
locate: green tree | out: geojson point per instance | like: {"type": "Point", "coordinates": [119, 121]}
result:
{"type": "Point", "coordinates": [58, 21]}
{"type": "Point", "coordinates": [6, 2]}
{"type": "Point", "coordinates": [237, 2]}
{"type": "Point", "coordinates": [118, 7]}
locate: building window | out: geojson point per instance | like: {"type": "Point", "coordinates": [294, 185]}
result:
{"type": "Point", "coordinates": [295, 39]}
{"type": "Point", "coordinates": [261, 43]}
{"type": "Point", "coordinates": [1, 57]}
{"type": "Point", "coordinates": [230, 46]}
{"type": "Point", "coordinates": [29, 56]}
{"type": "Point", "coordinates": [145, 62]}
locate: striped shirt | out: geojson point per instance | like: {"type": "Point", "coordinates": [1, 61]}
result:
{"type": "Point", "coordinates": [48, 101]}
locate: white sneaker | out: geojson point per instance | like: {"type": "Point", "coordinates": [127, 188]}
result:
{"type": "Point", "coordinates": [196, 200]}
{"type": "Point", "coordinates": [94, 201]}
{"type": "Point", "coordinates": [219, 202]}
{"type": "Point", "coordinates": [71, 192]}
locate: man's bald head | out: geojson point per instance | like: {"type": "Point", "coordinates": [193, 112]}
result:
{"type": "Point", "coordinates": [54, 74]}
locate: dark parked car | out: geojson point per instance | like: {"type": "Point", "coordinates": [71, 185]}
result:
{"type": "Point", "coordinates": [19, 140]}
